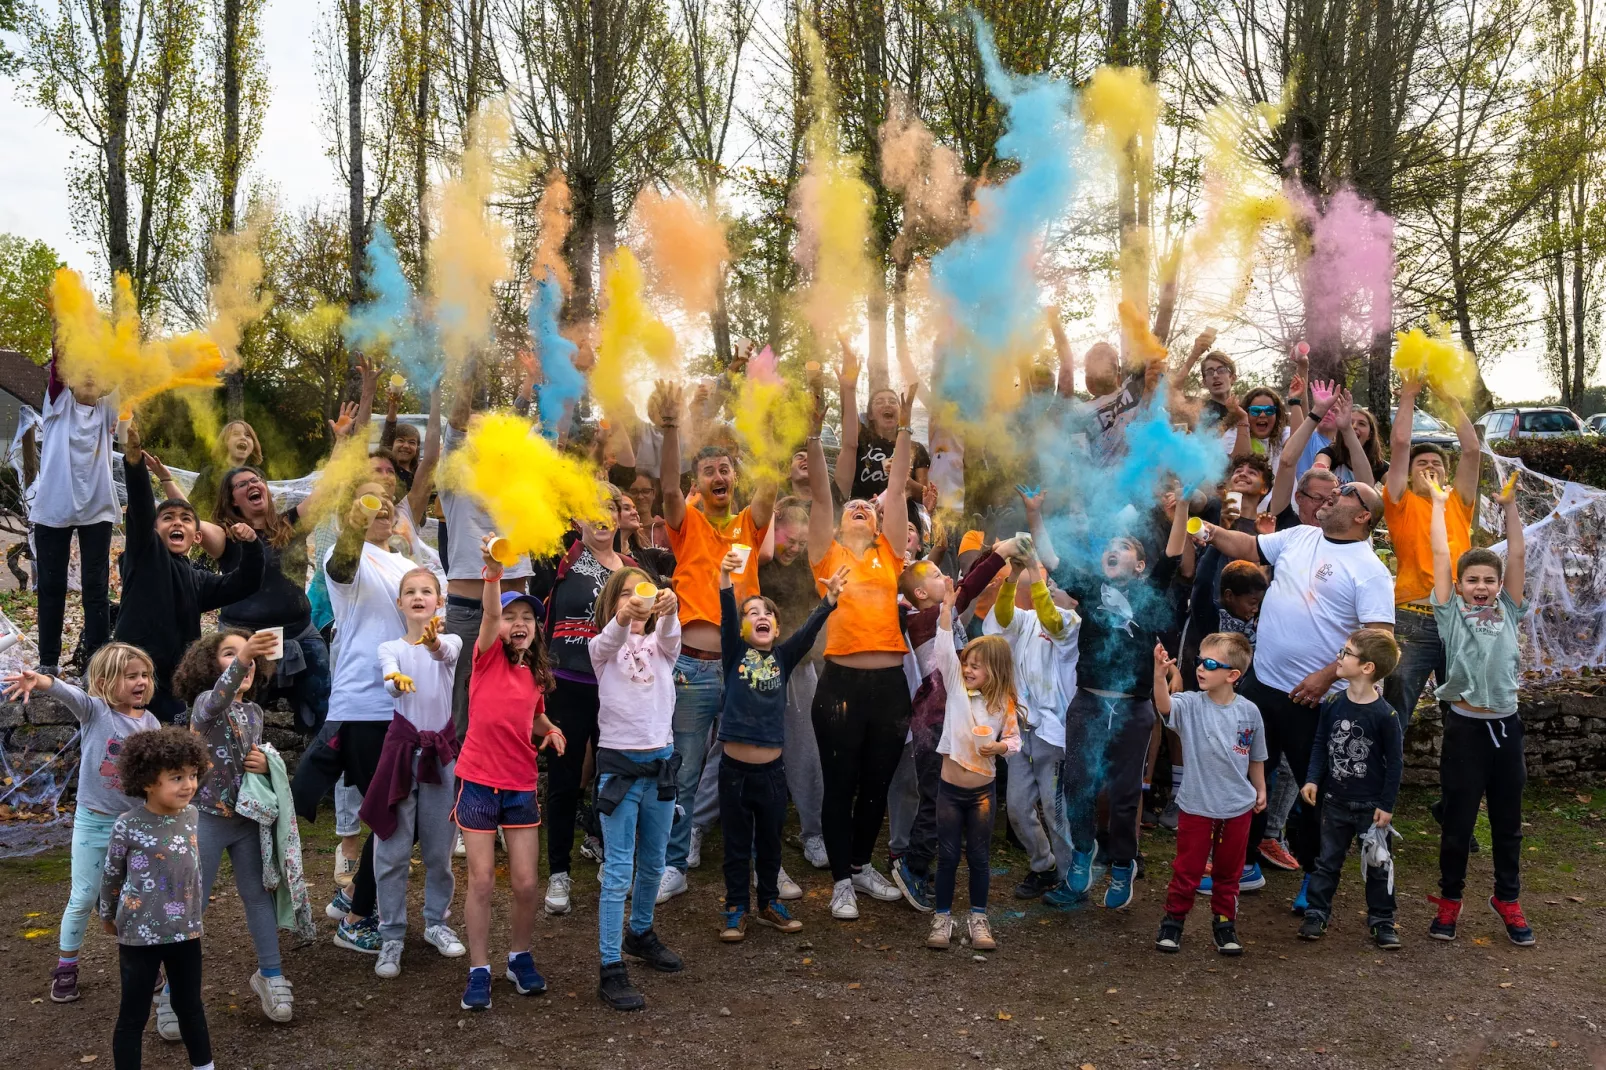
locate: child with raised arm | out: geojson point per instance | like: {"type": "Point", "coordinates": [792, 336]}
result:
{"type": "Point", "coordinates": [752, 776]}
{"type": "Point", "coordinates": [1225, 742]}
{"type": "Point", "coordinates": [1043, 643]}
{"type": "Point", "coordinates": [980, 723]}
{"type": "Point", "coordinates": [121, 681]}
{"type": "Point", "coordinates": [412, 791]}
{"type": "Point", "coordinates": [1477, 619]}
{"type": "Point", "coordinates": [1355, 764]}
{"type": "Point", "coordinates": [150, 892]}
{"type": "Point", "coordinates": [496, 773]}
{"type": "Point", "coordinates": [218, 678]}
{"type": "Point", "coordinates": [633, 655]}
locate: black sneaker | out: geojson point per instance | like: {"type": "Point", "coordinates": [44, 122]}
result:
{"type": "Point", "coordinates": [651, 950]}
{"type": "Point", "coordinates": [1226, 934]}
{"type": "Point", "coordinates": [1036, 884]}
{"type": "Point", "coordinates": [1169, 938]}
{"type": "Point", "coordinates": [616, 991]}
{"type": "Point", "coordinates": [1386, 936]}
{"type": "Point", "coordinates": [1139, 869]}
{"type": "Point", "coordinates": [1312, 927]}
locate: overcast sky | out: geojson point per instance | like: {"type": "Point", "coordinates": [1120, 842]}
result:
{"type": "Point", "coordinates": [35, 157]}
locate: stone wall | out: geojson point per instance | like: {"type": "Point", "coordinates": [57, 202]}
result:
{"type": "Point", "coordinates": [1564, 731]}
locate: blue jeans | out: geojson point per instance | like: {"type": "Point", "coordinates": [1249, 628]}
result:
{"type": "Point", "coordinates": [699, 695]}
{"type": "Point", "coordinates": [91, 832]}
{"type": "Point", "coordinates": [1421, 656]}
{"type": "Point", "coordinates": [634, 836]}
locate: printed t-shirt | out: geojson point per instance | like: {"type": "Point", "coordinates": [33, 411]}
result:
{"type": "Point", "coordinates": [699, 546]}
{"type": "Point", "coordinates": [1480, 650]}
{"type": "Point", "coordinates": [503, 702]}
{"type": "Point", "coordinates": [1320, 593]}
{"type": "Point", "coordinates": [1409, 521]}
{"type": "Point", "coordinates": [1220, 742]}
{"type": "Point", "coordinates": [866, 616]}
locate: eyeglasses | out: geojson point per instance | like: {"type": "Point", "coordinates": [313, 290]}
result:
{"type": "Point", "coordinates": [1318, 497]}
{"type": "Point", "coordinates": [1212, 664]}
{"type": "Point", "coordinates": [1215, 369]}
{"type": "Point", "coordinates": [1346, 652]}
{"type": "Point", "coordinates": [1263, 410]}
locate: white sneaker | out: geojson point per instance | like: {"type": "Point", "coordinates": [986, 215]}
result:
{"type": "Point", "coordinates": [844, 904]}
{"type": "Point", "coordinates": [870, 881]}
{"type": "Point", "coordinates": [459, 849]}
{"type": "Point", "coordinates": [345, 868]}
{"type": "Point", "coordinates": [444, 940]}
{"type": "Point", "coordinates": [389, 964]}
{"type": "Point", "coordinates": [166, 1019]}
{"type": "Point", "coordinates": [942, 932]}
{"type": "Point", "coordinates": [814, 852]}
{"type": "Point", "coordinates": [788, 887]}
{"type": "Point", "coordinates": [694, 854]}
{"type": "Point", "coordinates": [557, 894]}
{"type": "Point", "coordinates": [981, 934]}
{"type": "Point", "coordinates": [672, 884]}
{"type": "Point", "coordinates": [274, 992]}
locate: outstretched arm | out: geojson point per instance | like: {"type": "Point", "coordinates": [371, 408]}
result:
{"type": "Point", "coordinates": [1439, 535]}
{"type": "Point", "coordinates": [1282, 489]}
{"type": "Point", "coordinates": [822, 518]}
{"type": "Point", "coordinates": [664, 408]}
{"type": "Point", "coordinates": [895, 502]}
{"type": "Point", "coordinates": [1066, 383]}
{"type": "Point", "coordinates": [424, 474]}
{"type": "Point", "coordinates": [1516, 545]}
{"type": "Point", "coordinates": [848, 457]}
{"type": "Point", "coordinates": [1400, 441]}
{"type": "Point", "coordinates": [1466, 468]}
{"type": "Point", "coordinates": [490, 599]}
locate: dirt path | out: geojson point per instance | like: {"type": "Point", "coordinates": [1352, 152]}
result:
{"type": "Point", "coordinates": [1061, 991]}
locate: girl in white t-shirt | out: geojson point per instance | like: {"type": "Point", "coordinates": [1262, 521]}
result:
{"type": "Point", "coordinates": [419, 756]}
{"type": "Point", "coordinates": [73, 492]}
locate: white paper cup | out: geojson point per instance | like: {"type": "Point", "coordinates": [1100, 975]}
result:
{"type": "Point", "coordinates": [1235, 498]}
{"type": "Point", "coordinates": [277, 653]}
{"type": "Point", "coordinates": [744, 552]}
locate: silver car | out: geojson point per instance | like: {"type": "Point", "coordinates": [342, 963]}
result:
{"type": "Point", "coordinates": [1551, 421]}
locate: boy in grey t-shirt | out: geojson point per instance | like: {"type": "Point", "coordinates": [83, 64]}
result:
{"type": "Point", "coordinates": [1224, 740]}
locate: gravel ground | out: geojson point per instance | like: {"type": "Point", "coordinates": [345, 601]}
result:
{"type": "Point", "coordinates": [1063, 990]}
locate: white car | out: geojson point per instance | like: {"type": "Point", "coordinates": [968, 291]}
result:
{"type": "Point", "coordinates": [1551, 421]}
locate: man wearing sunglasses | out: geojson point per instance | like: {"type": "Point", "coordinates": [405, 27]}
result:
{"type": "Point", "coordinates": [1328, 584]}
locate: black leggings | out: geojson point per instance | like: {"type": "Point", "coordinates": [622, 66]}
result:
{"type": "Point", "coordinates": [141, 965]}
{"type": "Point", "coordinates": [52, 551]}
{"type": "Point", "coordinates": [964, 816]}
{"type": "Point", "coordinates": [861, 717]}
{"type": "Point", "coordinates": [349, 748]}
{"type": "Point", "coordinates": [573, 708]}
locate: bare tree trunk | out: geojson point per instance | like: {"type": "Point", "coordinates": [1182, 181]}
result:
{"type": "Point", "coordinates": [1563, 341]}
{"type": "Point", "coordinates": [421, 113]}
{"type": "Point", "coordinates": [1574, 393]}
{"type": "Point", "coordinates": [229, 172]}
{"type": "Point", "coordinates": [900, 322]}
{"type": "Point", "coordinates": [119, 254]}
{"type": "Point", "coordinates": [354, 134]}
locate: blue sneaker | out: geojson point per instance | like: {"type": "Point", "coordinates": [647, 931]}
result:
{"type": "Point", "coordinates": [527, 980]}
{"type": "Point", "coordinates": [1301, 901]}
{"type": "Point", "coordinates": [1080, 878]}
{"type": "Point", "coordinates": [1252, 880]}
{"type": "Point", "coordinates": [477, 996]}
{"type": "Point", "coordinates": [1062, 897]}
{"type": "Point", "coordinates": [1119, 894]}
{"type": "Point", "coordinates": [916, 891]}
{"type": "Point", "coordinates": [363, 936]}
{"type": "Point", "coordinates": [339, 906]}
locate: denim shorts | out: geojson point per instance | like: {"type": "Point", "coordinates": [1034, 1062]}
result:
{"type": "Point", "coordinates": [483, 809]}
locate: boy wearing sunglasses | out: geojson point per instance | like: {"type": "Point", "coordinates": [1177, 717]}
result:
{"type": "Point", "coordinates": [1355, 763]}
{"type": "Point", "coordinates": [1225, 742]}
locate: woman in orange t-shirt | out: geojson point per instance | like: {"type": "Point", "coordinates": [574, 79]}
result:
{"type": "Point", "coordinates": [862, 705]}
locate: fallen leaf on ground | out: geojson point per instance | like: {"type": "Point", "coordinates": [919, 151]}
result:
{"type": "Point", "coordinates": [1111, 991]}
{"type": "Point", "coordinates": [89, 1058]}
{"type": "Point", "coordinates": [854, 985]}
{"type": "Point", "coordinates": [1576, 898]}
{"type": "Point", "coordinates": [1505, 984]}
{"type": "Point", "coordinates": [1481, 941]}
{"type": "Point", "coordinates": [1005, 1016]}
{"type": "Point", "coordinates": [808, 962]}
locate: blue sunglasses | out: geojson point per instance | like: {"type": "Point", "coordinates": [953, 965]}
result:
{"type": "Point", "coordinates": [1263, 410]}
{"type": "Point", "coordinates": [1212, 664]}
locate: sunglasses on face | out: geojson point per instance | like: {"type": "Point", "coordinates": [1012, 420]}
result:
{"type": "Point", "coordinates": [1263, 410]}
{"type": "Point", "coordinates": [1212, 664]}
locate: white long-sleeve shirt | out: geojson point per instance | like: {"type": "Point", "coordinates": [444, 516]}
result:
{"type": "Point", "coordinates": [965, 713]}
{"type": "Point", "coordinates": [635, 684]}
{"type": "Point", "coordinates": [429, 705]}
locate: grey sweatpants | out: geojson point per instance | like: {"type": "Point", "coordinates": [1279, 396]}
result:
{"type": "Point", "coordinates": [242, 838]}
{"type": "Point", "coordinates": [428, 811]}
{"type": "Point", "coordinates": [1034, 776]}
{"type": "Point", "coordinates": [903, 802]}
{"type": "Point", "coordinates": [801, 752]}
{"type": "Point", "coordinates": [463, 622]}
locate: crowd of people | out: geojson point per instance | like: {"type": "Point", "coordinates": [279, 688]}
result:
{"type": "Point", "coordinates": [875, 643]}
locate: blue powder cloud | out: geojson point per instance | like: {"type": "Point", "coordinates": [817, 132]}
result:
{"type": "Point", "coordinates": [390, 321]}
{"type": "Point", "coordinates": [561, 383]}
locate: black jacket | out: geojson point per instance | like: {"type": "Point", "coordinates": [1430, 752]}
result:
{"type": "Point", "coordinates": [164, 594]}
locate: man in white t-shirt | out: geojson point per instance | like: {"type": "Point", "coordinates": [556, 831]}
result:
{"type": "Point", "coordinates": [1327, 584]}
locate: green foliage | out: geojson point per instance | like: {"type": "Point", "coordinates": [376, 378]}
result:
{"type": "Point", "coordinates": [10, 12]}
{"type": "Point", "coordinates": [25, 271]}
{"type": "Point", "coordinates": [1579, 458]}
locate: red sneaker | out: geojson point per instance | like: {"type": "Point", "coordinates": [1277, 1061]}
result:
{"type": "Point", "coordinates": [1443, 927]}
{"type": "Point", "coordinates": [1276, 854]}
{"type": "Point", "coordinates": [1516, 925]}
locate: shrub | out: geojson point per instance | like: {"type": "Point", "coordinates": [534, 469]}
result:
{"type": "Point", "coordinates": [1579, 458]}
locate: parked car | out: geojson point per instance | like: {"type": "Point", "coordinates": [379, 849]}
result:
{"type": "Point", "coordinates": [1425, 427]}
{"type": "Point", "coordinates": [1597, 423]}
{"type": "Point", "coordinates": [1551, 421]}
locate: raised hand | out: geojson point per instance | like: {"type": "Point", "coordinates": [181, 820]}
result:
{"type": "Point", "coordinates": [341, 427]}
{"type": "Point", "coordinates": [260, 645]}
{"type": "Point", "coordinates": [1030, 497]}
{"type": "Point", "coordinates": [666, 603]}
{"type": "Point", "coordinates": [156, 468]}
{"type": "Point", "coordinates": [848, 374]}
{"type": "Point", "coordinates": [834, 585]}
{"type": "Point", "coordinates": [906, 404]}
{"type": "Point", "coordinates": [1202, 344]}
{"type": "Point", "coordinates": [430, 636]}
{"type": "Point", "coordinates": [1323, 397]}
{"type": "Point", "coordinates": [22, 684]}
{"type": "Point", "coordinates": [1440, 494]}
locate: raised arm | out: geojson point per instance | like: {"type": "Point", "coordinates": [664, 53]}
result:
{"type": "Point", "coordinates": [140, 525]}
{"type": "Point", "coordinates": [1066, 382]}
{"type": "Point", "coordinates": [1466, 467]}
{"type": "Point", "coordinates": [1516, 544]}
{"type": "Point", "coordinates": [664, 408]}
{"type": "Point", "coordinates": [1343, 411]}
{"type": "Point", "coordinates": [490, 599]}
{"type": "Point", "coordinates": [222, 694]}
{"type": "Point", "coordinates": [1177, 541]}
{"type": "Point", "coordinates": [1400, 441]}
{"type": "Point", "coordinates": [424, 474]}
{"type": "Point", "coordinates": [847, 459]}
{"type": "Point", "coordinates": [1439, 535]}
{"type": "Point", "coordinates": [1162, 680]}
{"type": "Point", "coordinates": [822, 517]}
{"type": "Point", "coordinates": [895, 501]}
{"type": "Point", "coordinates": [1282, 488]}
{"type": "Point", "coordinates": [1032, 499]}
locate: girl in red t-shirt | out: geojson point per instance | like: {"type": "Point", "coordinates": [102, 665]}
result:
{"type": "Point", "coordinates": [496, 775]}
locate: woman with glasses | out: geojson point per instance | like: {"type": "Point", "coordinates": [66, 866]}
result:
{"type": "Point", "coordinates": [1267, 421]}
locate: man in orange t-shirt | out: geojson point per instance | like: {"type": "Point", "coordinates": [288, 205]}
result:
{"type": "Point", "coordinates": [700, 536]}
{"type": "Point", "coordinates": [1408, 508]}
